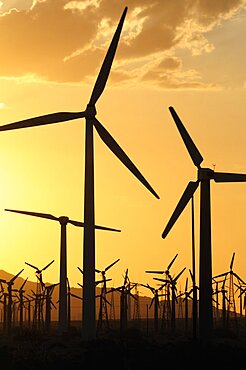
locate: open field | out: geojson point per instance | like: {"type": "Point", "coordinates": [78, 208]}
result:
{"type": "Point", "coordinates": [133, 349]}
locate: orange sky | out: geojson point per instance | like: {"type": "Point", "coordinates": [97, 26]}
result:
{"type": "Point", "coordinates": [187, 54]}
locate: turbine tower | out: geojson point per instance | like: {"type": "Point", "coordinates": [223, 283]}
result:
{"type": "Point", "coordinates": [205, 175]}
{"type": "Point", "coordinates": [89, 303]}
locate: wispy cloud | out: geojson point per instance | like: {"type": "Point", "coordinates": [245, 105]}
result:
{"type": "Point", "coordinates": [65, 41]}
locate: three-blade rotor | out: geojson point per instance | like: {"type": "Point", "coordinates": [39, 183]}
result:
{"type": "Point", "coordinates": [204, 174]}
{"type": "Point", "coordinates": [90, 111]}
{"type": "Point", "coordinates": [60, 219]}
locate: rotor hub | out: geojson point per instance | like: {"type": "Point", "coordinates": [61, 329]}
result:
{"type": "Point", "coordinates": [90, 111]}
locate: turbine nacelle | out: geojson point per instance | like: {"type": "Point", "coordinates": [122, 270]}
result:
{"type": "Point", "coordinates": [205, 174]}
{"type": "Point", "coordinates": [63, 220]}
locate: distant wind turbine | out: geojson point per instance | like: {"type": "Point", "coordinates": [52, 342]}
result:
{"type": "Point", "coordinates": [10, 284]}
{"type": "Point", "coordinates": [63, 220]}
{"type": "Point", "coordinates": [21, 292]}
{"type": "Point", "coordinates": [103, 311]}
{"type": "Point", "coordinates": [172, 281]}
{"type": "Point", "coordinates": [166, 272]}
{"type": "Point", "coordinates": [38, 309]}
{"type": "Point", "coordinates": [89, 309]}
{"type": "Point", "coordinates": [205, 175]}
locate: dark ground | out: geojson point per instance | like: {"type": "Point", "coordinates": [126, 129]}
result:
{"type": "Point", "coordinates": [30, 350]}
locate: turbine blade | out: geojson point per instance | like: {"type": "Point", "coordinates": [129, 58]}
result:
{"type": "Point", "coordinates": [190, 146]}
{"type": "Point", "coordinates": [35, 267]}
{"type": "Point", "coordinates": [133, 296]}
{"type": "Point", "coordinates": [22, 286]}
{"type": "Point", "coordinates": [126, 277]}
{"type": "Point", "coordinates": [112, 264]}
{"type": "Point", "coordinates": [170, 264]}
{"type": "Point", "coordinates": [232, 261]}
{"type": "Point", "coordinates": [155, 272]}
{"type": "Point", "coordinates": [106, 228]}
{"type": "Point", "coordinates": [223, 284]}
{"type": "Point", "coordinates": [229, 177]}
{"type": "Point", "coordinates": [81, 224]}
{"type": "Point", "coordinates": [43, 120]}
{"type": "Point", "coordinates": [238, 278]}
{"type": "Point", "coordinates": [240, 294]}
{"type": "Point", "coordinates": [121, 155]}
{"type": "Point", "coordinates": [181, 272]}
{"type": "Point", "coordinates": [53, 304]}
{"type": "Point", "coordinates": [163, 280]}
{"type": "Point", "coordinates": [107, 63]}
{"type": "Point", "coordinates": [145, 286]}
{"type": "Point", "coordinates": [102, 281]}
{"type": "Point", "coordinates": [192, 276]}
{"type": "Point", "coordinates": [220, 275]}
{"type": "Point", "coordinates": [14, 277]}
{"type": "Point", "coordinates": [152, 300]}
{"type": "Point", "coordinates": [76, 223]}
{"type": "Point", "coordinates": [189, 191]}
{"type": "Point", "coordinates": [47, 265]}
{"type": "Point", "coordinates": [76, 296]}
{"type": "Point", "coordinates": [35, 214]}
{"type": "Point", "coordinates": [186, 284]}
{"type": "Point", "coordinates": [98, 282]}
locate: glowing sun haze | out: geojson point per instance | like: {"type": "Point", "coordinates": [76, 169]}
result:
{"type": "Point", "coordinates": [186, 54]}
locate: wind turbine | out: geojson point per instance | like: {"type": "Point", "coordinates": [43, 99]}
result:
{"type": "Point", "coordinates": [63, 220]}
{"type": "Point", "coordinates": [10, 284]}
{"type": "Point", "coordinates": [166, 272]}
{"type": "Point", "coordinates": [172, 281]}
{"type": "Point", "coordinates": [47, 296]}
{"type": "Point", "coordinates": [38, 314]}
{"type": "Point", "coordinates": [21, 292]}
{"type": "Point", "coordinates": [89, 311]}
{"type": "Point", "coordinates": [103, 312]}
{"type": "Point", "coordinates": [205, 175]}
{"type": "Point", "coordinates": [39, 274]}
{"type": "Point", "coordinates": [167, 307]}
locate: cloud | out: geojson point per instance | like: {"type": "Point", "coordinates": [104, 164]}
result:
{"type": "Point", "coordinates": [65, 41]}
{"type": "Point", "coordinates": [8, 5]}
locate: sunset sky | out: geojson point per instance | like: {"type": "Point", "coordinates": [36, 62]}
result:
{"type": "Point", "coordinates": [187, 54]}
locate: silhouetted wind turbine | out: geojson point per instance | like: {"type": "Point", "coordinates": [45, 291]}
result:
{"type": "Point", "coordinates": [10, 284]}
{"type": "Point", "coordinates": [166, 272]}
{"type": "Point", "coordinates": [89, 311]}
{"type": "Point", "coordinates": [172, 281]}
{"type": "Point", "coordinates": [205, 175]}
{"type": "Point", "coordinates": [103, 312]}
{"type": "Point", "coordinates": [21, 292]}
{"type": "Point", "coordinates": [63, 220]}
{"type": "Point", "coordinates": [38, 314]}
{"type": "Point", "coordinates": [39, 273]}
